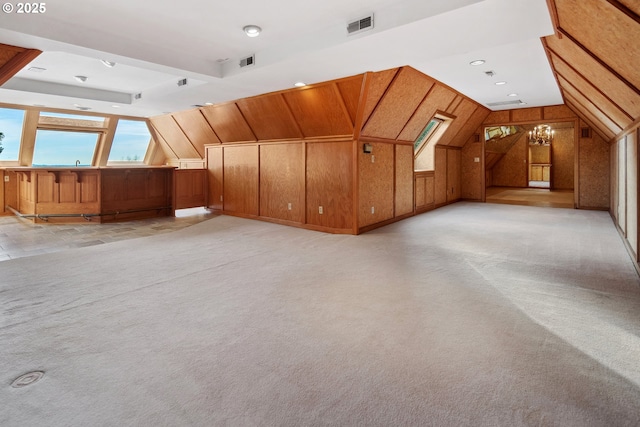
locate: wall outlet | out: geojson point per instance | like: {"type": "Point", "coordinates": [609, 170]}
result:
{"type": "Point", "coordinates": [320, 210]}
{"type": "Point", "coordinates": [373, 210]}
{"type": "Point", "coordinates": [288, 206]}
{"type": "Point", "coordinates": [6, 178]}
{"type": "Point", "coordinates": [373, 158]}
{"type": "Point", "coordinates": [221, 197]}
{"type": "Point", "coordinates": [476, 159]}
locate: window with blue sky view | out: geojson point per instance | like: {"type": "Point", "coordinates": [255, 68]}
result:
{"type": "Point", "coordinates": [11, 126]}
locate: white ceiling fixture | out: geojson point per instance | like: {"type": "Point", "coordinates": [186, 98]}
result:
{"type": "Point", "coordinates": [109, 64]}
{"type": "Point", "coordinates": [169, 44]}
{"type": "Point", "coordinates": [477, 62]}
{"type": "Point", "coordinates": [300, 84]}
{"type": "Point", "coordinates": [500, 83]}
{"type": "Point", "coordinates": [81, 79]}
{"type": "Point", "coordinates": [252, 30]}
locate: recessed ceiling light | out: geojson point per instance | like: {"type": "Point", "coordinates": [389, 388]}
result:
{"type": "Point", "coordinates": [109, 64]}
{"type": "Point", "coordinates": [513, 94]}
{"type": "Point", "coordinates": [84, 108]}
{"type": "Point", "coordinates": [477, 62]}
{"type": "Point", "coordinates": [208, 103]}
{"type": "Point", "coordinates": [501, 83]}
{"type": "Point", "coordinates": [115, 106]}
{"type": "Point", "coordinates": [36, 69]}
{"type": "Point", "coordinates": [252, 30]}
{"type": "Point", "coordinates": [300, 84]}
{"type": "Point", "coordinates": [222, 60]}
{"type": "Point", "coordinates": [81, 79]}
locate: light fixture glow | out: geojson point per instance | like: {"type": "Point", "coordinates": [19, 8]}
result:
{"type": "Point", "coordinates": [81, 79]}
{"type": "Point", "coordinates": [477, 62]}
{"type": "Point", "coordinates": [513, 94]}
{"type": "Point", "coordinates": [252, 30]}
{"type": "Point", "coordinates": [300, 84]}
{"type": "Point", "coordinates": [109, 64]}
{"type": "Point", "coordinates": [501, 83]}
{"type": "Point", "coordinates": [208, 103]}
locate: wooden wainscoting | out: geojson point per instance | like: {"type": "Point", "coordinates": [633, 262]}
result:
{"type": "Point", "coordinates": [190, 188]}
{"type": "Point", "coordinates": [424, 184]}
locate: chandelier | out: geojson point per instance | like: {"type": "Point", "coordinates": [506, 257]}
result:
{"type": "Point", "coordinates": [541, 135]}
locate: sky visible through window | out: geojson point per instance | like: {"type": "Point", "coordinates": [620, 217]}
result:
{"type": "Point", "coordinates": [130, 141]}
{"type": "Point", "coordinates": [11, 126]}
{"type": "Point", "coordinates": [60, 148]}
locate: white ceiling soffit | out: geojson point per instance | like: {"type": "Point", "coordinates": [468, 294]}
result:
{"type": "Point", "coordinates": [203, 42]}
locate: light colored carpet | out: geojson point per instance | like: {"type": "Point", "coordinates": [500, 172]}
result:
{"type": "Point", "coordinates": [469, 315]}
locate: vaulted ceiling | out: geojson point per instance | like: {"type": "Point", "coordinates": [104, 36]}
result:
{"type": "Point", "coordinates": [156, 44]}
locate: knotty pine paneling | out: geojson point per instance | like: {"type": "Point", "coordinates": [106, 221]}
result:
{"type": "Point", "coordinates": [453, 175]}
{"type": "Point", "coordinates": [590, 106]}
{"type": "Point", "coordinates": [282, 181]}
{"type": "Point", "coordinates": [197, 129]}
{"type": "Point", "coordinates": [577, 83]}
{"type": "Point", "coordinates": [377, 85]}
{"type": "Point", "coordinates": [215, 177]}
{"type": "Point", "coordinates": [375, 183]}
{"type": "Point", "coordinates": [595, 73]}
{"type": "Point", "coordinates": [241, 179]}
{"type": "Point", "coordinates": [398, 104]}
{"type": "Point", "coordinates": [269, 117]}
{"type": "Point", "coordinates": [319, 110]}
{"type": "Point", "coordinates": [404, 180]}
{"type": "Point", "coordinates": [330, 184]}
{"type": "Point", "coordinates": [438, 99]}
{"type": "Point", "coordinates": [350, 90]}
{"type": "Point", "coordinates": [440, 184]}
{"type": "Point", "coordinates": [173, 136]}
{"type": "Point", "coordinates": [593, 172]}
{"type": "Point", "coordinates": [526, 114]}
{"type": "Point", "coordinates": [607, 32]}
{"type": "Point", "coordinates": [228, 123]}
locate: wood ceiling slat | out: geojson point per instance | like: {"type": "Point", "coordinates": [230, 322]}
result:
{"type": "Point", "coordinates": [606, 32]}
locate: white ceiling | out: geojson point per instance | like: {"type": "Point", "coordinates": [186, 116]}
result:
{"type": "Point", "coordinates": [157, 43]}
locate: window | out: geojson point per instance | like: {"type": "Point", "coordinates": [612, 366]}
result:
{"type": "Point", "coordinates": [426, 134]}
{"type": "Point", "coordinates": [64, 148]}
{"type": "Point", "coordinates": [130, 142]}
{"type": "Point", "coordinates": [11, 127]}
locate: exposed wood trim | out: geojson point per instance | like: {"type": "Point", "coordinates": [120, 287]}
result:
{"type": "Point", "coordinates": [345, 110]}
{"type": "Point", "coordinates": [210, 127]}
{"type": "Point", "coordinates": [384, 94]}
{"type": "Point", "coordinates": [27, 146]}
{"type": "Point", "coordinates": [17, 63]}
{"type": "Point", "coordinates": [293, 118]}
{"type": "Point", "coordinates": [255, 137]}
{"type": "Point", "coordinates": [457, 100]}
{"type": "Point", "coordinates": [559, 57]}
{"type": "Point", "coordinates": [595, 123]}
{"type": "Point", "coordinates": [74, 112]}
{"type": "Point", "coordinates": [384, 140]}
{"type": "Point", "coordinates": [629, 129]}
{"type": "Point", "coordinates": [156, 134]}
{"type": "Point", "coordinates": [592, 103]}
{"type": "Point", "coordinates": [186, 136]}
{"type": "Point", "coordinates": [416, 110]}
{"type": "Point", "coordinates": [624, 9]}
{"type": "Point", "coordinates": [103, 147]}
{"type": "Point", "coordinates": [599, 60]}
{"type": "Point", "coordinates": [548, 51]}
{"type": "Point", "coordinates": [553, 11]}
{"type": "Point", "coordinates": [364, 93]}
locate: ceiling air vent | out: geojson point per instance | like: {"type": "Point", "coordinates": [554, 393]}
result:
{"type": "Point", "coordinates": [249, 60]}
{"type": "Point", "coordinates": [503, 103]}
{"type": "Point", "coordinates": [137, 96]}
{"type": "Point", "coordinates": [182, 82]}
{"type": "Point", "coordinates": [362, 24]}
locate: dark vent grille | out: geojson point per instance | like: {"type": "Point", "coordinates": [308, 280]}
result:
{"type": "Point", "coordinates": [182, 82]}
{"type": "Point", "coordinates": [250, 60]}
{"type": "Point", "coordinates": [503, 103]}
{"type": "Point", "coordinates": [585, 132]}
{"type": "Point", "coordinates": [365, 23]}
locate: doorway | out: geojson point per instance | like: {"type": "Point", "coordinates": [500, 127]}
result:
{"type": "Point", "coordinates": [540, 166]}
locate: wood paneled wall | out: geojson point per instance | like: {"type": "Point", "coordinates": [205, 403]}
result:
{"type": "Point", "coordinates": [14, 59]}
{"type": "Point", "coordinates": [296, 156]}
{"type": "Point", "coordinates": [190, 188]}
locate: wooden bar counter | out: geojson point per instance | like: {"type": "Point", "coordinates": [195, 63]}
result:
{"type": "Point", "coordinates": [100, 194]}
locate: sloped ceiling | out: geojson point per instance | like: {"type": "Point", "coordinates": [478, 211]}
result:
{"type": "Point", "coordinates": [596, 59]}
{"type": "Point", "coordinates": [203, 41]}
